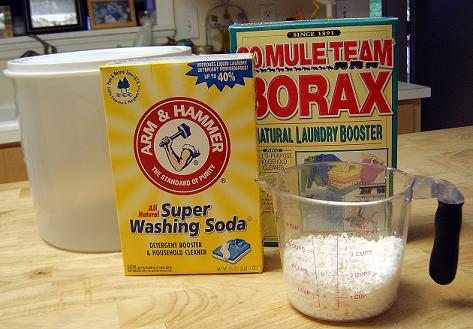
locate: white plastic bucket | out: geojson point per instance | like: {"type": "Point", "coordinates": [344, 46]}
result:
{"type": "Point", "coordinates": [62, 122]}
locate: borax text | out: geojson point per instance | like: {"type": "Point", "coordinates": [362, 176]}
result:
{"type": "Point", "coordinates": [308, 91]}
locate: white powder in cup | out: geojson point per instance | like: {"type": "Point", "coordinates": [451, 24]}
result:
{"type": "Point", "coordinates": [342, 277]}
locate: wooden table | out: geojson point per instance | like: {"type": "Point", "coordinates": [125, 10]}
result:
{"type": "Point", "coordinates": [44, 287]}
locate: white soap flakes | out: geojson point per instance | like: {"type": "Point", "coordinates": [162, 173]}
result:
{"type": "Point", "coordinates": [342, 277]}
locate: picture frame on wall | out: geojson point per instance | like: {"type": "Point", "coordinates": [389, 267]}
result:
{"type": "Point", "coordinates": [46, 16]}
{"type": "Point", "coordinates": [111, 13]}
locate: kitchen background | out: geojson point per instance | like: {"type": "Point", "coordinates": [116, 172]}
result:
{"type": "Point", "coordinates": [434, 41]}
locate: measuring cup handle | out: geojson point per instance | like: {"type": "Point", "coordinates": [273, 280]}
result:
{"type": "Point", "coordinates": [444, 257]}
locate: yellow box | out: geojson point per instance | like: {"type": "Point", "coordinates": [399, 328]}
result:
{"type": "Point", "coordinates": [326, 90]}
{"type": "Point", "coordinates": [183, 146]}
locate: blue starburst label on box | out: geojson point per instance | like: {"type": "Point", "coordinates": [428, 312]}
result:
{"type": "Point", "coordinates": [221, 73]}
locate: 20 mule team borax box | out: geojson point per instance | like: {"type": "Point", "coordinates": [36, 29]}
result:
{"type": "Point", "coordinates": [183, 146]}
{"type": "Point", "coordinates": [326, 90]}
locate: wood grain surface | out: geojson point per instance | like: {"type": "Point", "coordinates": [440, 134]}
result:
{"type": "Point", "coordinates": [44, 287]}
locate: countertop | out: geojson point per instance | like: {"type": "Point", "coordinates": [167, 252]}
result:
{"type": "Point", "coordinates": [412, 91]}
{"type": "Point", "coordinates": [44, 287]}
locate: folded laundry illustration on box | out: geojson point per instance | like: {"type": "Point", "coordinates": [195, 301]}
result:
{"type": "Point", "coordinates": [370, 173]}
{"type": "Point", "coordinates": [344, 178]}
{"type": "Point", "coordinates": [232, 251]}
{"type": "Point", "coordinates": [318, 174]}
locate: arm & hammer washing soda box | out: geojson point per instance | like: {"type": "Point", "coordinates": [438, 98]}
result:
{"type": "Point", "coordinates": [326, 90]}
{"type": "Point", "coordinates": [183, 147]}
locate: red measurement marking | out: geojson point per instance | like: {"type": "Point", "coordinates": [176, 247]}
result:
{"type": "Point", "coordinates": [304, 291]}
{"type": "Point", "coordinates": [363, 253]}
{"type": "Point", "coordinates": [360, 274]}
{"type": "Point", "coordinates": [292, 226]}
{"type": "Point", "coordinates": [297, 247]}
{"type": "Point", "coordinates": [363, 233]}
{"type": "Point", "coordinates": [303, 259]}
{"type": "Point", "coordinates": [299, 268]}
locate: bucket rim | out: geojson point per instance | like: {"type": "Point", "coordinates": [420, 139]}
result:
{"type": "Point", "coordinates": [84, 62]}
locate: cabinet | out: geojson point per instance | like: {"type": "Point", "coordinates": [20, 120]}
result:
{"type": "Point", "coordinates": [12, 165]}
{"type": "Point", "coordinates": [408, 116]}
{"type": "Point", "coordinates": [409, 106]}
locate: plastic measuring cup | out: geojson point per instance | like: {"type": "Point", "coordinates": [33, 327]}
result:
{"type": "Point", "coordinates": [342, 229]}
{"type": "Point", "coordinates": [64, 139]}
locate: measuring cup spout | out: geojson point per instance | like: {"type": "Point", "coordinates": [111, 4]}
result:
{"type": "Point", "coordinates": [444, 257]}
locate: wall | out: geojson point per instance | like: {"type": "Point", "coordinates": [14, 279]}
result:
{"type": "Point", "coordinates": [442, 58]}
{"type": "Point", "coordinates": [284, 9]}
{"type": "Point", "coordinates": [353, 8]}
